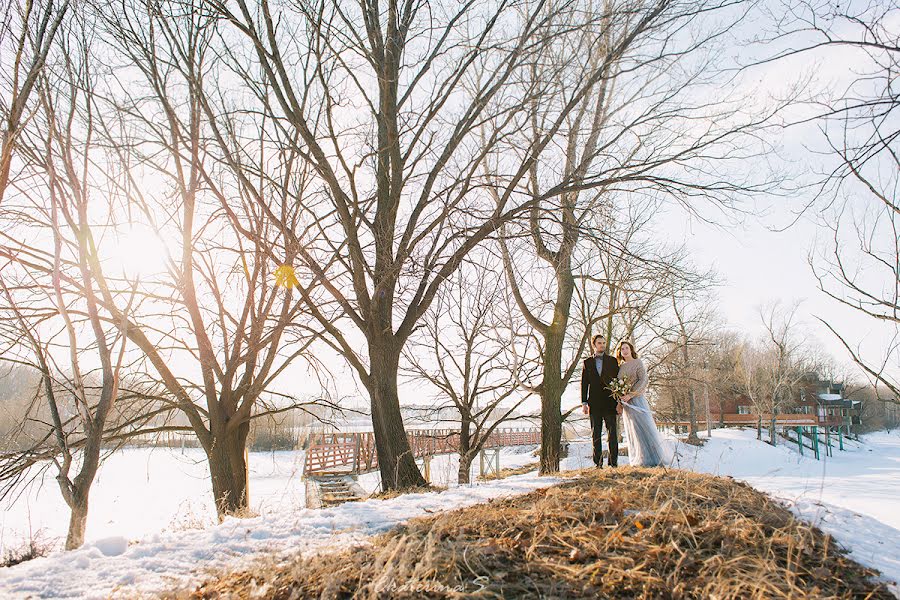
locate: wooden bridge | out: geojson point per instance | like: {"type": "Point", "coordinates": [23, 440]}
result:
{"type": "Point", "coordinates": [353, 453]}
{"type": "Point", "coordinates": [735, 420]}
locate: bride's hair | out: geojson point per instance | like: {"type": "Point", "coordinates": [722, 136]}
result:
{"type": "Point", "coordinates": [634, 353]}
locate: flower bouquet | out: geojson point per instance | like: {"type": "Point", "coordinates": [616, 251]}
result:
{"type": "Point", "coordinates": [618, 387]}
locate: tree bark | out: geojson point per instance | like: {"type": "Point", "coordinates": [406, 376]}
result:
{"type": "Point", "coordinates": [553, 385]}
{"type": "Point", "coordinates": [692, 409]}
{"type": "Point", "coordinates": [228, 469]}
{"type": "Point", "coordinates": [395, 458]}
{"type": "Point", "coordinates": [465, 468]}
{"type": "Point", "coordinates": [465, 453]}
{"type": "Point", "coordinates": [77, 522]}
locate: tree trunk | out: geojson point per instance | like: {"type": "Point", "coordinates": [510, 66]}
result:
{"type": "Point", "coordinates": [395, 458]}
{"type": "Point", "coordinates": [77, 521]}
{"type": "Point", "coordinates": [692, 409]}
{"type": "Point", "coordinates": [465, 453]}
{"type": "Point", "coordinates": [465, 468]}
{"type": "Point", "coordinates": [228, 469]}
{"type": "Point", "coordinates": [551, 430]}
{"type": "Point", "coordinates": [552, 385]}
{"type": "Point", "coordinates": [552, 388]}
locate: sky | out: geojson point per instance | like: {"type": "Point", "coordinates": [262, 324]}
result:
{"type": "Point", "coordinates": [764, 259]}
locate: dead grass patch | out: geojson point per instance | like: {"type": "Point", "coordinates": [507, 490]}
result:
{"type": "Point", "coordinates": [417, 489]}
{"type": "Point", "coordinates": [33, 548]}
{"type": "Point", "coordinates": [510, 471]}
{"type": "Point", "coordinates": [628, 533]}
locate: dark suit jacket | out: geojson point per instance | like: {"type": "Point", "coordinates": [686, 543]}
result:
{"type": "Point", "coordinates": [593, 384]}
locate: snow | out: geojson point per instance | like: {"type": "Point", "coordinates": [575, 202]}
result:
{"type": "Point", "coordinates": [152, 526]}
{"type": "Point", "coordinates": [853, 495]}
{"type": "Point", "coordinates": [152, 523]}
{"type": "Point", "coordinates": [112, 546]}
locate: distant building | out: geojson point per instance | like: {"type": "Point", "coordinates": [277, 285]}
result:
{"type": "Point", "coordinates": [817, 402]}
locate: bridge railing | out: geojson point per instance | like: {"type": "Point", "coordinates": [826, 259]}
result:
{"type": "Point", "coordinates": [750, 420]}
{"type": "Point", "coordinates": [355, 453]}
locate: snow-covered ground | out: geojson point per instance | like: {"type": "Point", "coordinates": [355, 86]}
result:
{"type": "Point", "coordinates": [152, 523]}
{"type": "Point", "coordinates": [142, 492]}
{"type": "Point", "coordinates": [853, 495]}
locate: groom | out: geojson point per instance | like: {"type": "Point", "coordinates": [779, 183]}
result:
{"type": "Point", "coordinates": [598, 402]}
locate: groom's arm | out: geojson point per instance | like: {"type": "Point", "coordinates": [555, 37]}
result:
{"type": "Point", "coordinates": [584, 384]}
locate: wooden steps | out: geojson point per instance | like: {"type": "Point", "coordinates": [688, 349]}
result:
{"type": "Point", "coordinates": [323, 491]}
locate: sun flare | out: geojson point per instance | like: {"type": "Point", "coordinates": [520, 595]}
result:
{"type": "Point", "coordinates": [134, 252]}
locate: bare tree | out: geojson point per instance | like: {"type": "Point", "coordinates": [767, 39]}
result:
{"type": "Point", "coordinates": [68, 203]}
{"type": "Point", "coordinates": [217, 324]}
{"type": "Point", "coordinates": [464, 351]}
{"type": "Point", "coordinates": [681, 361]}
{"type": "Point", "coordinates": [395, 107]}
{"type": "Point", "coordinates": [636, 132]}
{"type": "Point", "coordinates": [859, 267]}
{"type": "Point", "coordinates": [721, 358]}
{"type": "Point", "coordinates": [27, 33]}
{"type": "Point", "coordinates": [772, 371]}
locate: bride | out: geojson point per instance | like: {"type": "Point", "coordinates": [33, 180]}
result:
{"type": "Point", "coordinates": [644, 445]}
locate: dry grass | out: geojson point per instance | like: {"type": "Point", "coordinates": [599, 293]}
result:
{"type": "Point", "coordinates": [416, 489]}
{"type": "Point", "coordinates": [509, 472]}
{"type": "Point", "coordinates": [33, 548]}
{"type": "Point", "coordinates": [629, 533]}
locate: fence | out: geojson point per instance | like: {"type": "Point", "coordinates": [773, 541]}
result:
{"type": "Point", "coordinates": [354, 452]}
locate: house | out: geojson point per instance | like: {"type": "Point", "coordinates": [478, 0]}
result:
{"type": "Point", "coordinates": [817, 402]}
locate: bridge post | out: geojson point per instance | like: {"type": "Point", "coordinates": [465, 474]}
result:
{"type": "Point", "coordinates": [800, 439]}
{"type": "Point", "coordinates": [841, 438]}
{"type": "Point", "coordinates": [485, 462]}
{"type": "Point", "coordinates": [426, 468]}
{"type": "Point", "coordinates": [815, 431]}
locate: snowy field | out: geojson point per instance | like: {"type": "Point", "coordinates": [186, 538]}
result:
{"type": "Point", "coordinates": [153, 528]}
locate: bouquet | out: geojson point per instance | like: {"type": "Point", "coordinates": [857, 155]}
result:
{"type": "Point", "coordinates": [619, 387]}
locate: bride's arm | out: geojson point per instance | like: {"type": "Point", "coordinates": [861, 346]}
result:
{"type": "Point", "coordinates": [641, 382]}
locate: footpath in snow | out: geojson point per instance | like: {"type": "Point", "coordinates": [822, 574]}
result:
{"type": "Point", "coordinates": [854, 495]}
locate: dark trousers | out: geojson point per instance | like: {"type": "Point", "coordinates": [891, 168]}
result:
{"type": "Point", "coordinates": [612, 436]}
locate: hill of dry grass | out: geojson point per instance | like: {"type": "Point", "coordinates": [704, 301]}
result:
{"type": "Point", "coordinates": [630, 533]}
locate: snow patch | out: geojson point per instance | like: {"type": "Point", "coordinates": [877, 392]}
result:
{"type": "Point", "coordinates": [112, 546]}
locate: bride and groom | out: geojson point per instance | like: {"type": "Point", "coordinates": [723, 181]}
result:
{"type": "Point", "coordinates": [602, 372]}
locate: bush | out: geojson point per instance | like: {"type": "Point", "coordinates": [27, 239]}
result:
{"type": "Point", "coordinates": [31, 549]}
{"type": "Point", "coordinates": [267, 440]}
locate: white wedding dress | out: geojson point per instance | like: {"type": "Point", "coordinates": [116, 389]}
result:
{"type": "Point", "coordinates": [645, 448]}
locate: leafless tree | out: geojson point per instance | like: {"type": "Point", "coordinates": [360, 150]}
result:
{"type": "Point", "coordinates": [67, 201]}
{"type": "Point", "coordinates": [859, 266]}
{"type": "Point", "coordinates": [862, 268]}
{"type": "Point", "coordinates": [771, 371]}
{"type": "Point", "coordinates": [217, 325]}
{"type": "Point", "coordinates": [464, 350]}
{"type": "Point", "coordinates": [636, 136]}
{"type": "Point", "coordinates": [682, 362]}
{"type": "Point", "coordinates": [395, 107]}
{"type": "Point", "coordinates": [721, 358]}
{"type": "Point", "coordinates": [27, 33]}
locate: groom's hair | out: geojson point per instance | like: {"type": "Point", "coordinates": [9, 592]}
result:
{"type": "Point", "coordinates": [599, 336]}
